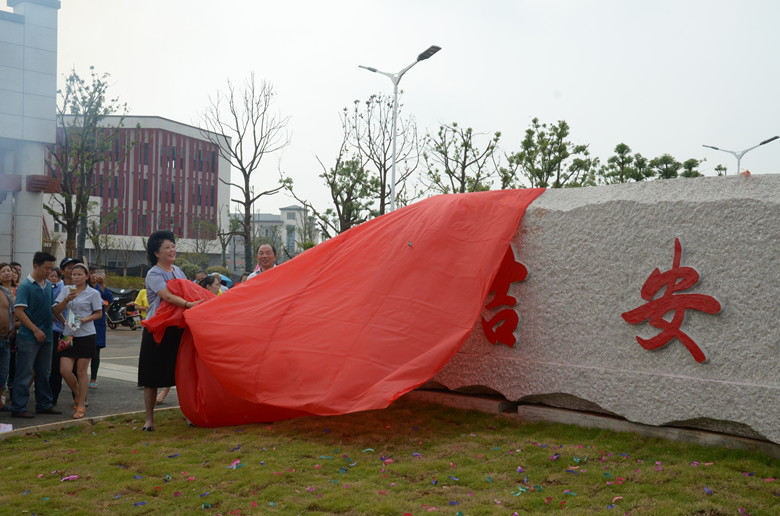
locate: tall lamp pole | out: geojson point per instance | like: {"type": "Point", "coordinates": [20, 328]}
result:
{"type": "Point", "coordinates": [741, 153]}
{"type": "Point", "coordinates": [396, 78]}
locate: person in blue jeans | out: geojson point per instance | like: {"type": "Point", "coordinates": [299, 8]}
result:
{"type": "Point", "coordinates": [7, 328]}
{"type": "Point", "coordinates": [33, 308]}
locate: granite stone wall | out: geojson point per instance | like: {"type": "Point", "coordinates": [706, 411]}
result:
{"type": "Point", "coordinates": [588, 252]}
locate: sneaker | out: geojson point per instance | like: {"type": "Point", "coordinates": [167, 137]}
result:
{"type": "Point", "coordinates": [24, 414]}
{"type": "Point", "coordinates": [93, 385]}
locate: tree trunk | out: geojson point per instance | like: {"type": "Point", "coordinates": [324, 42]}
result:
{"type": "Point", "coordinates": [81, 237]}
{"type": "Point", "coordinates": [248, 262]}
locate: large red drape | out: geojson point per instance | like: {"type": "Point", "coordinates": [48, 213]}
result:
{"type": "Point", "coordinates": [349, 325]}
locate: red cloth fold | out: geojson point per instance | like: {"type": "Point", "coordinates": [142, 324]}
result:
{"type": "Point", "coordinates": [351, 324]}
{"type": "Point", "coordinates": [172, 315]}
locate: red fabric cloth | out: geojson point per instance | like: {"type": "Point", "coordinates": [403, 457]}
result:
{"type": "Point", "coordinates": [351, 324]}
{"type": "Point", "coordinates": [172, 315]}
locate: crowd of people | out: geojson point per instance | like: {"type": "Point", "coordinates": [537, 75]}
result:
{"type": "Point", "coordinates": [53, 326]}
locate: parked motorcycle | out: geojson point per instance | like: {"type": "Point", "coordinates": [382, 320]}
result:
{"type": "Point", "coordinates": [119, 314]}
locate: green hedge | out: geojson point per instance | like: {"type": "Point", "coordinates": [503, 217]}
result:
{"type": "Point", "coordinates": [126, 282]}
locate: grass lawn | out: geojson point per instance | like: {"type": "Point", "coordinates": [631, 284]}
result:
{"type": "Point", "coordinates": [411, 458]}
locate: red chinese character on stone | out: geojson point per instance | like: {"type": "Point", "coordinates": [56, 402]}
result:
{"type": "Point", "coordinates": [675, 280]}
{"type": "Point", "coordinates": [501, 327]}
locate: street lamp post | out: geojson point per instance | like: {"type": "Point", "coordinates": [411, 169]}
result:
{"type": "Point", "coordinates": [396, 78]}
{"type": "Point", "coordinates": [741, 153]}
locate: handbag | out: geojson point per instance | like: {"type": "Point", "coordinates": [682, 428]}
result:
{"type": "Point", "coordinates": [66, 342]}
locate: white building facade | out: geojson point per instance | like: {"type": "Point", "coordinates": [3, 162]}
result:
{"type": "Point", "coordinates": [28, 89]}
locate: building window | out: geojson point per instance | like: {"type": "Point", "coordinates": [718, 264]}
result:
{"type": "Point", "coordinates": [173, 192]}
{"type": "Point", "coordinates": [290, 238]}
{"type": "Point", "coordinates": [146, 188]}
{"type": "Point", "coordinates": [290, 215]}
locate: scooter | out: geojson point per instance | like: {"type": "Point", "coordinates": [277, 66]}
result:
{"type": "Point", "coordinates": [122, 315]}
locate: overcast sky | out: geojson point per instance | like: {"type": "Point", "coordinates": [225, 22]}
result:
{"type": "Point", "coordinates": [663, 76]}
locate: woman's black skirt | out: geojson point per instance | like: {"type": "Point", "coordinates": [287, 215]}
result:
{"type": "Point", "coordinates": [83, 347]}
{"type": "Point", "coordinates": [157, 362]}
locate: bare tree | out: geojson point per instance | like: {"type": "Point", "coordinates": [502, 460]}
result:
{"type": "Point", "coordinates": [370, 133]}
{"type": "Point", "coordinates": [225, 234]}
{"type": "Point", "coordinates": [125, 248]}
{"type": "Point", "coordinates": [242, 124]}
{"type": "Point", "coordinates": [203, 233]}
{"type": "Point", "coordinates": [97, 232]}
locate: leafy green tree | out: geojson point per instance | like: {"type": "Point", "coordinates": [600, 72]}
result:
{"type": "Point", "coordinates": [352, 189]}
{"type": "Point", "coordinates": [720, 169]}
{"type": "Point", "coordinates": [84, 140]}
{"type": "Point", "coordinates": [689, 168]}
{"type": "Point", "coordinates": [243, 125]}
{"type": "Point", "coordinates": [456, 163]}
{"type": "Point", "coordinates": [665, 166]}
{"type": "Point", "coordinates": [548, 160]}
{"type": "Point", "coordinates": [623, 167]}
{"type": "Point", "coordinates": [642, 167]}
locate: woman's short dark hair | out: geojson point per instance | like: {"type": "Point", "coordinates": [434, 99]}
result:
{"type": "Point", "coordinates": [207, 281]}
{"type": "Point", "coordinates": [154, 243]}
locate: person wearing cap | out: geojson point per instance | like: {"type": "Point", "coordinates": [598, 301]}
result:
{"type": "Point", "coordinates": [66, 266]}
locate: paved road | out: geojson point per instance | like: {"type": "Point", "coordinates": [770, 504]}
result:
{"type": "Point", "coordinates": [117, 391]}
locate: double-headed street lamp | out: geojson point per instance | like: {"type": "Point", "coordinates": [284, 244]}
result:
{"type": "Point", "coordinates": [739, 154]}
{"type": "Point", "coordinates": [396, 78]}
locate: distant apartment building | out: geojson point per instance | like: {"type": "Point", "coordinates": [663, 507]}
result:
{"type": "Point", "coordinates": [170, 179]}
{"type": "Point", "coordinates": [288, 232]}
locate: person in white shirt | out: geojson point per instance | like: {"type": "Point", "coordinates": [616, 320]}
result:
{"type": "Point", "coordinates": [77, 317]}
{"type": "Point", "coordinates": [266, 259]}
